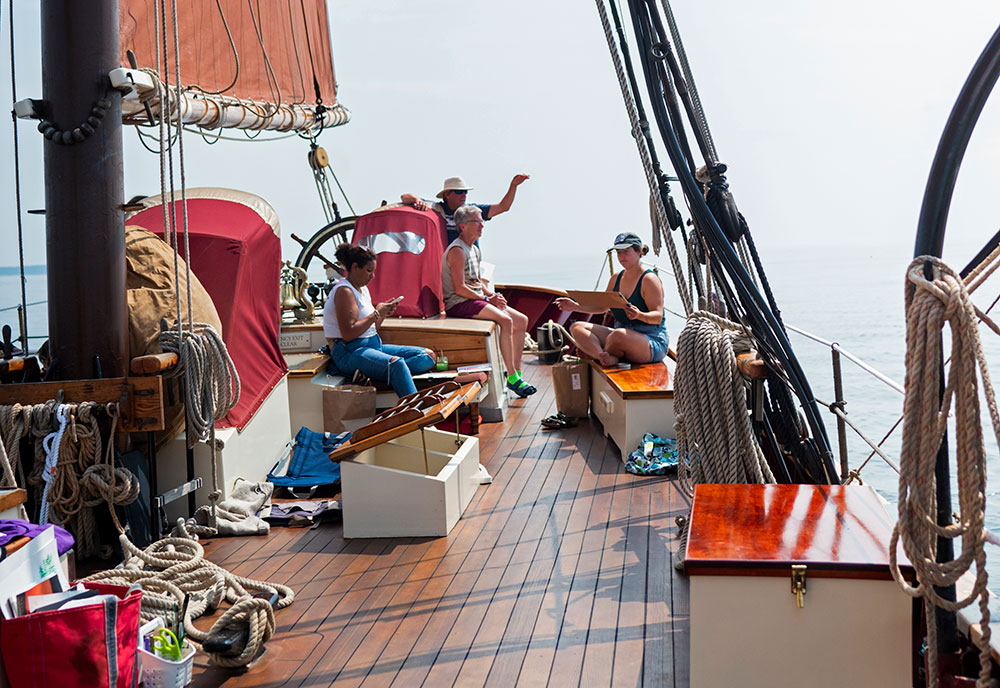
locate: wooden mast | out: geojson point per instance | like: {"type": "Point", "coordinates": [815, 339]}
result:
{"type": "Point", "coordinates": [84, 222]}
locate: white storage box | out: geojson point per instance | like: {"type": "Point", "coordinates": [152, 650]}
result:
{"type": "Point", "coordinates": [399, 478]}
{"type": "Point", "coordinates": [630, 403]}
{"type": "Point", "coordinates": [386, 492]}
{"type": "Point", "coordinates": [855, 626]}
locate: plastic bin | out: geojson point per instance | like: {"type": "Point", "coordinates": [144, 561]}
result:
{"type": "Point", "coordinates": [158, 672]}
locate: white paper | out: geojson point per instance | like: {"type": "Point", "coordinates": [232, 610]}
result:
{"type": "Point", "coordinates": [29, 566]}
{"type": "Point", "coordinates": [575, 378]}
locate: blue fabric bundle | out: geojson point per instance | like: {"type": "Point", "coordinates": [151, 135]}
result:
{"type": "Point", "coordinates": [655, 456]}
{"type": "Point", "coordinates": [310, 463]}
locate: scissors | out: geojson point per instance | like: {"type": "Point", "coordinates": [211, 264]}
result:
{"type": "Point", "coordinates": [165, 645]}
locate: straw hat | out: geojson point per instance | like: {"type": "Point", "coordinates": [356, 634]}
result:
{"type": "Point", "coordinates": [453, 184]}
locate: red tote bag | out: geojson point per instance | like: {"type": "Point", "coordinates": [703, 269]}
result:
{"type": "Point", "coordinates": [84, 647]}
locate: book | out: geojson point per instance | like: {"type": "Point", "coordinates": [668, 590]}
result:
{"type": "Point", "coordinates": [19, 602]}
{"type": "Point", "coordinates": [474, 368]}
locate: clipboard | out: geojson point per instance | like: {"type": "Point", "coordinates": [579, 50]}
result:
{"type": "Point", "coordinates": [598, 299]}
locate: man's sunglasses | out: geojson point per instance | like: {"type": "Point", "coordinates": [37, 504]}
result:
{"type": "Point", "coordinates": [460, 192]}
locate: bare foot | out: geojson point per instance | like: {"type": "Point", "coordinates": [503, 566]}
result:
{"type": "Point", "coordinates": [606, 359]}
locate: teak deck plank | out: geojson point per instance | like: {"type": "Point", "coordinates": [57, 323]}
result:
{"type": "Point", "coordinates": [559, 573]}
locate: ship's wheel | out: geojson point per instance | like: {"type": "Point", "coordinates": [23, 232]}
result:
{"type": "Point", "coordinates": [317, 251]}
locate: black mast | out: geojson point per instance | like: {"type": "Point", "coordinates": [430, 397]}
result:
{"type": "Point", "coordinates": [84, 224]}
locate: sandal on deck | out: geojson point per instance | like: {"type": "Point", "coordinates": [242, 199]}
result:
{"type": "Point", "coordinates": [521, 388]}
{"type": "Point", "coordinates": [559, 421]}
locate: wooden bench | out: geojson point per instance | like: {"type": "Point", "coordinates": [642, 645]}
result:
{"type": "Point", "coordinates": [632, 402]}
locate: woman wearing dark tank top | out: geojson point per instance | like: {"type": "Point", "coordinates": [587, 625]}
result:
{"type": "Point", "coordinates": [639, 334]}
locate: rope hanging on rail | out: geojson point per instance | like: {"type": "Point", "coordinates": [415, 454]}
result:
{"type": "Point", "coordinates": [930, 305]}
{"type": "Point", "coordinates": [70, 467]}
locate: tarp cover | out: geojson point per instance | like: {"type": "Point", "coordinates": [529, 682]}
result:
{"type": "Point", "coordinates": [409, 245]}
{"type": "Point", "coordinates": [294, 42]}
{"type": "Point", "coordinates": [236, 254]}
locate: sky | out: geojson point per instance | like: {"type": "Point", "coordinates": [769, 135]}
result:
{"type": "Point", "coordinates": [827, 115]}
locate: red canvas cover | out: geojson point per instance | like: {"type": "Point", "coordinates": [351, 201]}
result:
{"type": "Point", "coordinates": [394, 234]}
{"type": "Point", "coordinates": [236, 255]}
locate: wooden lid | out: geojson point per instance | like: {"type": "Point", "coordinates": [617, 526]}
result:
{"type": "Point", "coordinates": [647, 381]}
{"type": "Point", "coordinates": [418, 410]}
{"type": "Point", "coordinates": [836, 530]}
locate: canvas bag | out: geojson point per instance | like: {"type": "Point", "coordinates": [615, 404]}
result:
{"type": "Point", "coordinates": [571, 382]}
{"type": "Point", "coordinates": [347, 408]}
{"type": "Point", "coordinates": [92, 646]}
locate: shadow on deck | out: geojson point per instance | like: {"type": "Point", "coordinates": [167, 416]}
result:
{"type": "Point", "coordinates": [560, 573]}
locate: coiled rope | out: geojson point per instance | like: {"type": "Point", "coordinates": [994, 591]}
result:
{"type": "Point", "coordinates": [709, 387]}
{"type": "Point", "coordinates": [212, 385]}
{"type": "Point", "coordinates": [930, 303]}
{"type": "Point", "coordinates": [173, 567]}
{"type": "Point", "coordinates": [14, 424]}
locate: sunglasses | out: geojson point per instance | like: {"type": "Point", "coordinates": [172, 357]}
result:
{"type": "Point", "coordinates": [461, 192]}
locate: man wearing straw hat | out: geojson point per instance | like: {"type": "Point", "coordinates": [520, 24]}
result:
{"type": "Point", "coordinates": [453, 197]}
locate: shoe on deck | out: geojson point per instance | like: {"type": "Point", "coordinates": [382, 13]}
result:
{"type": "Point", "coordinates": [521, 388]}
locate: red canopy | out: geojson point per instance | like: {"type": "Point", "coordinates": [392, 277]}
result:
{"type": "Point", "coordinates": [409, 245]}
{"type": "Point", "coordinates": [236, 254]}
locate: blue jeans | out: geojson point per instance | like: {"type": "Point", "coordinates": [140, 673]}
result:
{"type": "Point", "coordinates": [374, 359]}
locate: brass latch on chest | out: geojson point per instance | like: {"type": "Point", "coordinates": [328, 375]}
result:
{"type": "Point", "coordinates": [799, 584]}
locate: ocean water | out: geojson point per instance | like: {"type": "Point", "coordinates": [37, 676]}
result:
{"type": "Point", "coordinates": [846, 295]}
{"type": "Point", "coordinates": [36, 293]}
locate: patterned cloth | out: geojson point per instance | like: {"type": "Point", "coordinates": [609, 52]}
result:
{"type": "Point", "coordinates": [655, 456]}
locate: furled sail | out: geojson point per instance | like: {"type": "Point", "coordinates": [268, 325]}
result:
{"type": "Point", "coordinates": [242, 64]}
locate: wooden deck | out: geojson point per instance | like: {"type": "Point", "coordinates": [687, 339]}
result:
{"type": "Point", "coordinates": [560, 573]}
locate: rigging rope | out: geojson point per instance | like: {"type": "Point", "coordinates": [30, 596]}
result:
{"type": "Point", "coordinates": [930, 303]}
{"type": "Point", "coordinates": [17, 186]}
{"type": "Point", "coordinates": [644, 155]}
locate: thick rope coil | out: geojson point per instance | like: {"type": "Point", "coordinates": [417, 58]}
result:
{"type": "Point", "coordinates": [173, 567]}
{"type": "Point", "coordinates": [709, 386]}
{"type": "Point", "coordinates": [212, 385]}
{"type": "Point", "coordinates": [14, 422]}
{"type": "Point", "coordinates": [930, 303]}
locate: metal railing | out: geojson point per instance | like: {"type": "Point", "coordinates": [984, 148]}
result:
{"type": "Point", "coordinates": [838, 404]}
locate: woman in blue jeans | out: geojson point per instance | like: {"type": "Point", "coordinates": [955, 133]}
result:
{"type": "Point", "coordinates": [349, 324]}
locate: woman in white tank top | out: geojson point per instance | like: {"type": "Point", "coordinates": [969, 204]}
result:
{"type": "Point", "coordinates": [350, 325]}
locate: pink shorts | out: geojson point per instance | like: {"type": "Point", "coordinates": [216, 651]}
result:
{"type": "Point", "coordinates": [466, 309]}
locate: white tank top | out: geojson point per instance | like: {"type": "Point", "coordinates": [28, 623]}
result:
{"type": "Point", "coordinates": [331, 328]}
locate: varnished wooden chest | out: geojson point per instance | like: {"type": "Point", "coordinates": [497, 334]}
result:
{"type": "Point", "coordinates": [790, 586]}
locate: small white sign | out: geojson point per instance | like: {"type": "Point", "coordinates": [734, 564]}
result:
{"type": "Point", "coordinates": [575, 378]}
{"type": "Point", "coordinates": [295, 341]}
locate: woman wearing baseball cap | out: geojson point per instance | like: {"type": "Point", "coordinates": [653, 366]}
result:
{"type": "Point", "coordinates": [639, 334]}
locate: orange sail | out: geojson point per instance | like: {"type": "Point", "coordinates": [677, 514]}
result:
{"type": "Point", "coordinates": [273, 52]}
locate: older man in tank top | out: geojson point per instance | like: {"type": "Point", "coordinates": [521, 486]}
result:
{"type": "Point", "coordinates": [466, 296]}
